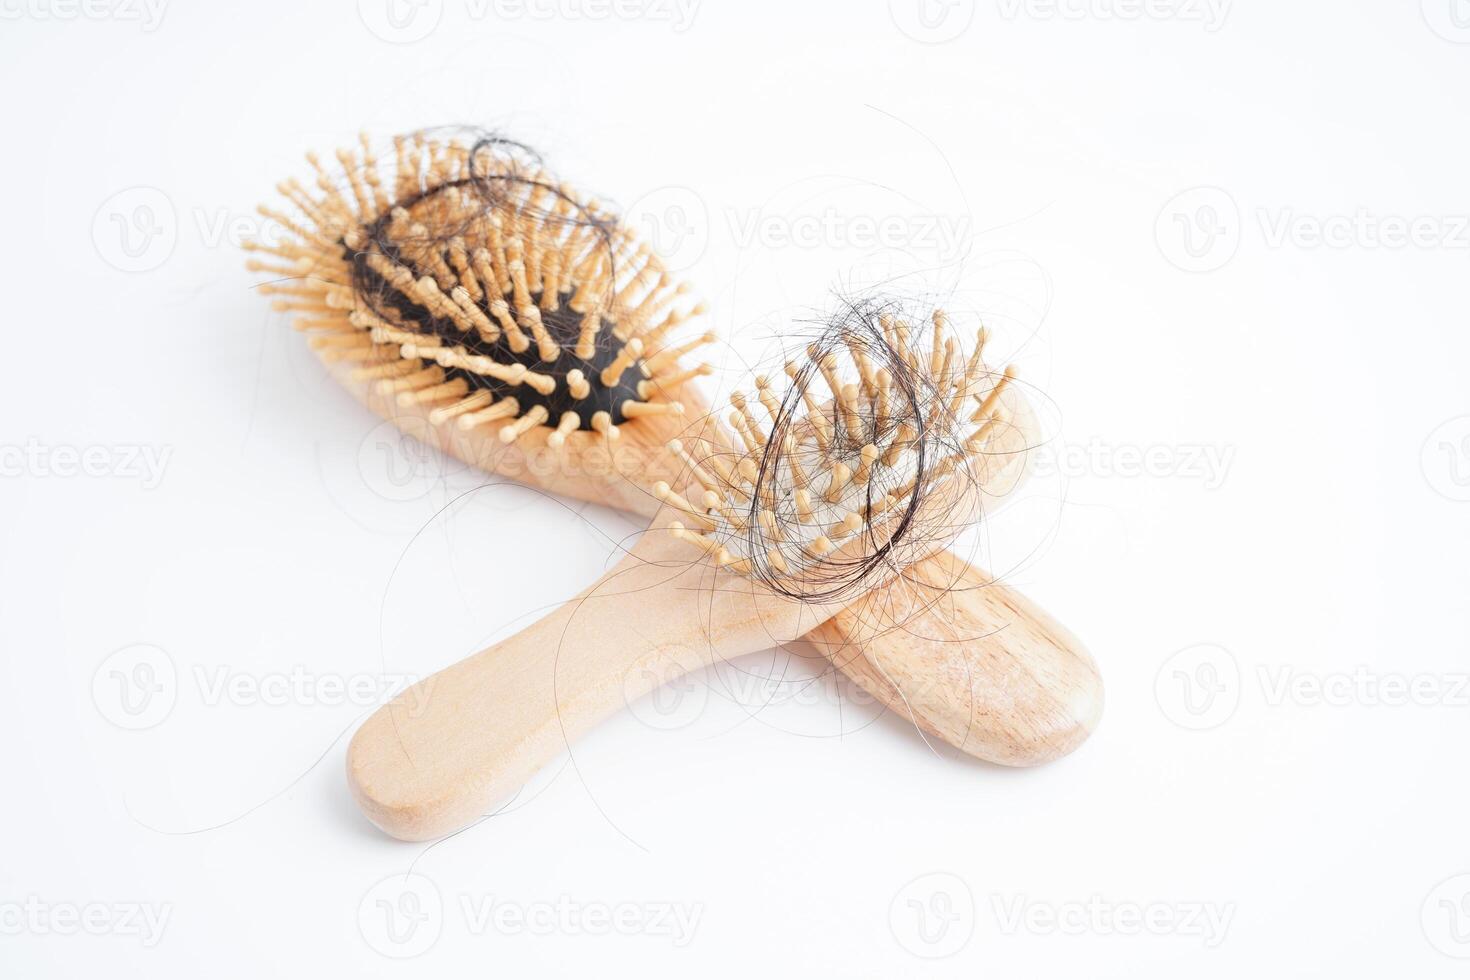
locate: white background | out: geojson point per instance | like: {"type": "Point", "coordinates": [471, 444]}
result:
{"type": "Point", "coordinates": [1136, 189]}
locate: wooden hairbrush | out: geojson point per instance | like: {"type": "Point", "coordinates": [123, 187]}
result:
{"type": "Point", "coordinates": [396, 287]}
{"type": "Point", "coordinates": [814, 498]}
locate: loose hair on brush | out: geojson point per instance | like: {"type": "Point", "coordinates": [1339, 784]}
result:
{"type": "Point", "coordinates": [861, 466]}
{"type": "Point", "coordinates": [469, 281]}
{"type": "Point", "coordinates": [473, 281]}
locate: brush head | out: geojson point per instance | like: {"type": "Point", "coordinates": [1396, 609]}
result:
{"type": "Point", "coordinates": [866, 460]}
{"type": "Point", "coordinates": [471, 281]}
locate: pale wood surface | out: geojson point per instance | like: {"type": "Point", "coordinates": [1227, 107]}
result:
{"type": "Point", "coordinates": [984, 670]}
{"type": "Point", "coordinates": [443, 752]}
{"type": "Point", "coordinates": [971, 661]}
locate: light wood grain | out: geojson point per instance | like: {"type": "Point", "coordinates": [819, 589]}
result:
{"type": "Point", "coordinates": [442, 753]}
{"type": "Point", "coordinates": [970, 661]}
{"type": "Point", "coordinates": [955, 668]}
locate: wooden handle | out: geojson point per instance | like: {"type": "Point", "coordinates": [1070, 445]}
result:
{"type": "Point", "coordinates": [1020, 727]}
{"type": "Point", "coordinates": [444, 751]}
{"type": "Point", "coordinates": [969, 661]}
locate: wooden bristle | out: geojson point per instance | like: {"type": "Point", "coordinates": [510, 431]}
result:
{"type": "Point", "coordinates": [569, 422]}
{"type": "Point", "coordinates": [504, 409]}
{"type": "Point", "coordinates": [509, 297]}
{"type": "Point", "coordinates": [878, 418]}
{"type": "Point", "coordinates": [638, 410]}
{"type": "Point", "coordinates": [478, 400]}
{"type": "Point", "coordinates": [669, 496]}
{"type": "Point", "coordinates": [602, 422]}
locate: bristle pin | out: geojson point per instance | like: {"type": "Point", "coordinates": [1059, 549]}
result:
{"type": "Point", "coordinates": [865, 452]}
{"type": "Point", "coordinates": [513, 301]}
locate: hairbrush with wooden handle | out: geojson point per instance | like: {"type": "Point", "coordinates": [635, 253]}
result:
{"type": "Point", "coordinates": [372, 271]}
{"type": "Point", "coordinates": [865, 465]}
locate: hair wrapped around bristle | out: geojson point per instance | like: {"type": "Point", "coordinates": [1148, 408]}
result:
{"type": "Point", "coordinates": [470, 280]}
{"type": "Point", "coordinates": [860, 464]}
